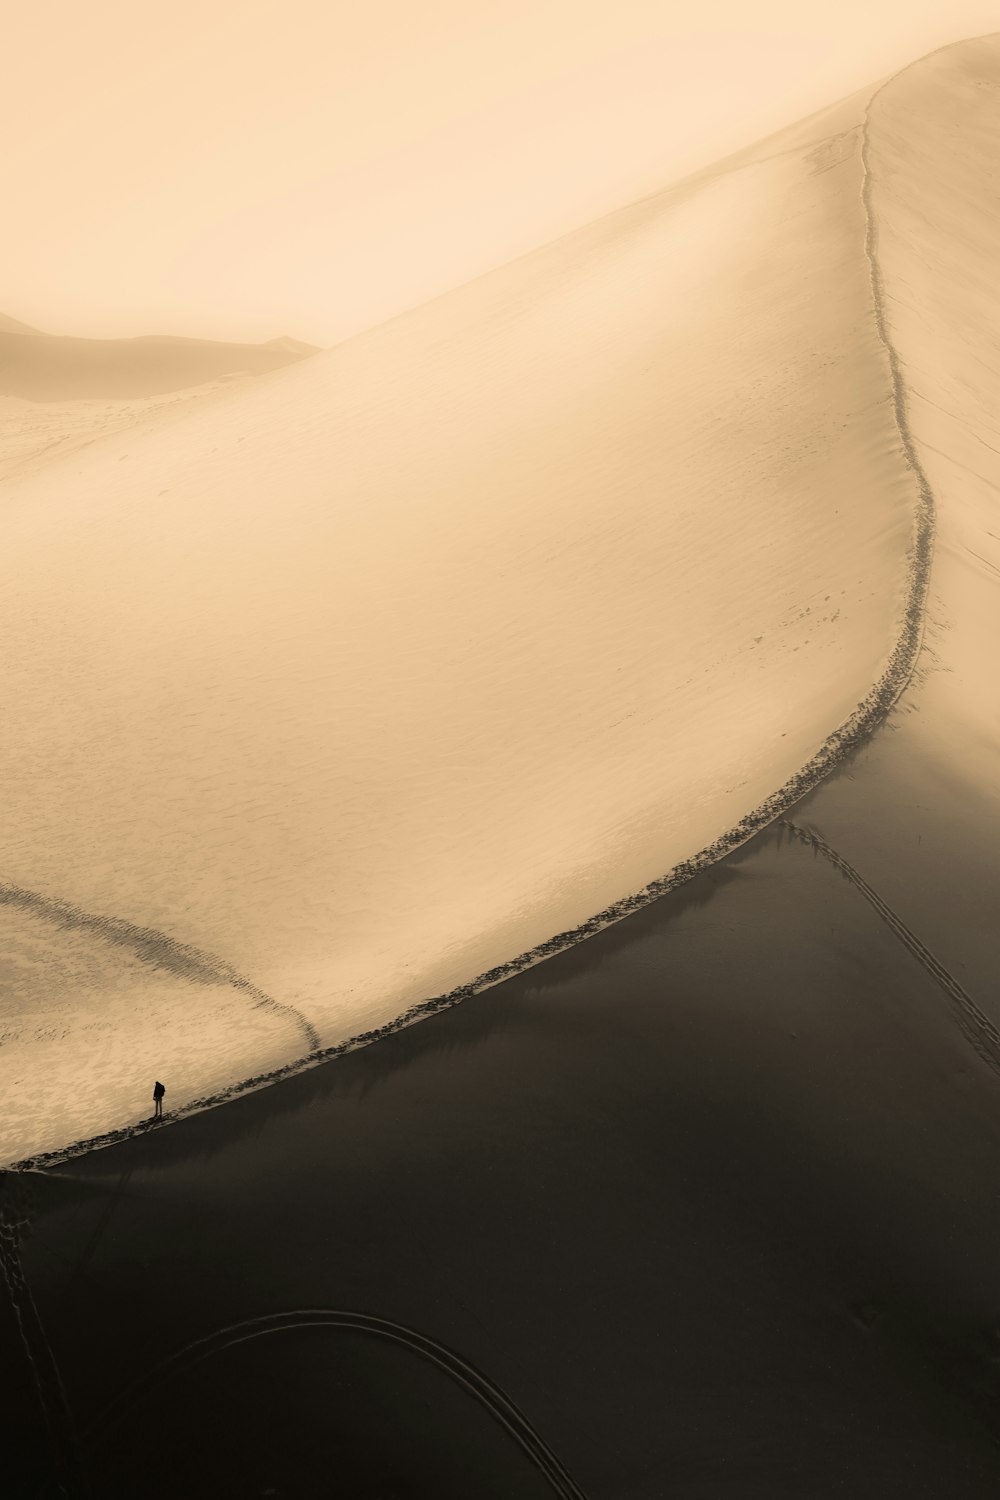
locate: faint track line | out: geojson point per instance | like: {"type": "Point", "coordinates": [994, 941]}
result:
{"type": "Point", "coordinates": [979, 1031]}
{"type": "Point", "coordinates": [473, 1381]}
{"type": "Point", "coordinates": [15, 1219]}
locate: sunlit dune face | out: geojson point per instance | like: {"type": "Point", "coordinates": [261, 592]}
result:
{"type": "Point", "coordinates": [381, 670]}
{"type": "Point", "coordinates": [362, 679]}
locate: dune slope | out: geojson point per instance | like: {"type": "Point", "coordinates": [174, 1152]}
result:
{"type": "Point", "coordinates": [380, 673]}
{"type": "Point", "coordinates": [61, 394]}
{"type": "Point", "coordinates": [43, 367]}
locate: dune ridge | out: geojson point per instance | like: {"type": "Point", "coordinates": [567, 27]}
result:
{"type": "Point", "coordinates": [933, 148]}
{"type": "Point", "coordinates": [891, 681]}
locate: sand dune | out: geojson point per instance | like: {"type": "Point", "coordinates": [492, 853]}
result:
{"type": "Point", "coordinates": [391, 666]}
{"type": "Point", "coordinates": [58, 395]}
{"type": "Point", "coordinates": [41, 367]}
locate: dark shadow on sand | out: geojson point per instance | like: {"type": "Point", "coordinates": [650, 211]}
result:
{"type": "Point", "coordinates": [712, 1198]}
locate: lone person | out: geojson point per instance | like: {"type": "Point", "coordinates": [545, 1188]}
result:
{"type": "Point", "coordinates": [158, 1093]}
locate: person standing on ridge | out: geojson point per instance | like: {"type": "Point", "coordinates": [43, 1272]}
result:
{"type": "Point", "coordinates": [158, 1093]}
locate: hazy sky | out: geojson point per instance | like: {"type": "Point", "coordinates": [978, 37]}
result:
{"type": "Point", "coordinates": [249, 168]}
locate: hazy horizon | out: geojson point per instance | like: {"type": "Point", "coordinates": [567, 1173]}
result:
{"type": "Point", "coordinates": [306, 170]}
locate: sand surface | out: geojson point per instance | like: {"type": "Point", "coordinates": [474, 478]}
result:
{"type": "Point", "coordinates": [58, 395]}
{"type": "Point", "coordinates": [401, 660]}
{"type": "Point", "coordinates": [376, 673]}
{"type": "Point", "coordinates": [33, 434]}
{"type": "Point", "coordinates": [720, 1217]}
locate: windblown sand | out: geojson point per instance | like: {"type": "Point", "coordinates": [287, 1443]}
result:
{"type": "Point", "coordinates": [383, 669]}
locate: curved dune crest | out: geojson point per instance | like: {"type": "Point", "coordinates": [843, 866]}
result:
{"type": "Point", "coordinates": [386, 669]}
{"type": "Point", "coordinates": [934, 139]}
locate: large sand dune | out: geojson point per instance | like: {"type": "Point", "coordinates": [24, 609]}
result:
{"type": "Point", "coordinates": [333, 695]}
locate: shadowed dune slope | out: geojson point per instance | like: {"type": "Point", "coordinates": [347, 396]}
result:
{"type": "Point", "coordinates": [43, 367]}
{"type": "Point", "coordinates": [402, 660]}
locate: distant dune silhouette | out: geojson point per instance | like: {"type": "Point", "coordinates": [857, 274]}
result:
{"type": "Point", "coordinates": [46, 367]}
{"type": "Point", "coordinates": [11, 325]}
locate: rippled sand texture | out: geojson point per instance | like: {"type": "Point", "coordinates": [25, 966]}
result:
{"type": "Point", "coordinates": [385, 669]}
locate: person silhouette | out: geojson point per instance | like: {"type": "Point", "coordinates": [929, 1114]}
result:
{"type": "Point", "coordinates": [158, 1093]}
